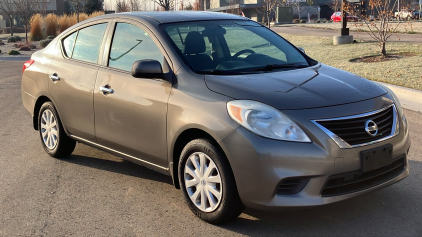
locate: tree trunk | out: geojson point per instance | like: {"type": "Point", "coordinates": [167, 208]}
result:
{"type": "Point", "coordinates": [11, 26]}
{"type": "Point", "coordinates": [26, 34]}
{"type": "Point", "coordinates": [77, 12]}
{"type": "Point", "coordinates": [382, 49]}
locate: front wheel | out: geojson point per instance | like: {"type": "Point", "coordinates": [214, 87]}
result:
{"type": "Point", "coordinates": [53, 137]}
{"type": "Point", "coordinates": [207, 183]}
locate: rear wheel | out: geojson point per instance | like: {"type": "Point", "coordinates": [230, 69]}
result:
{"type": "Point", "coordinates": [207, 183]}
{"type": "Point", "coordinates": [53, 137]}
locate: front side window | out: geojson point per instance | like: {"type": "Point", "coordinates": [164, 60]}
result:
{"type": "Point", "coordinates": [88, 43]}
{"type": "Point", "coordinates": [130, 44]}
{"type": "Point", "coordinates": [227, 47]}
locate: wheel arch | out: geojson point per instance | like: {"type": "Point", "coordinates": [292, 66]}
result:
{"type": "Point", "coordinates": [180, 142]}
{"type": "Point", "coordinates": [40, 101]}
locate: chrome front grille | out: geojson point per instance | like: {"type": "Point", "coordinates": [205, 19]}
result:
{"type": "Point", "coordinates": [350, 131]}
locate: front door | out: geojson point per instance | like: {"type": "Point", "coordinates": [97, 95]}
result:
{"type": "Point", "coordinates": [130, 114]}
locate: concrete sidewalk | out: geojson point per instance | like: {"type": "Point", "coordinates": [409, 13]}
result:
{"type": "Point", "coordinates": [308, 31]}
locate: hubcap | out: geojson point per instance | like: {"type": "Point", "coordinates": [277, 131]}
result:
{"type": "Point", "coordinates": [49, 131]}
{"type": "Point", "coordinates": [203, 182]}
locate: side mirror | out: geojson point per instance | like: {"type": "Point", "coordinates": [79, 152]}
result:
{"type": "Point", "coordinates": [147, 68]}
{"type": "Point", "coordinates": [301, 49]}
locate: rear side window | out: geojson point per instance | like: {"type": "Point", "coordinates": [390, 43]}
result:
{"type": "Point", "coordinates": [68, 44]}
{"type": "Point", "coordinates": [130, 44]}
{"type": "Point", "coordinates": [88, 43]}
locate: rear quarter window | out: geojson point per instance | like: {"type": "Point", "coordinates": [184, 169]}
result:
{"type": "Point", "coordinates": [88, 43]}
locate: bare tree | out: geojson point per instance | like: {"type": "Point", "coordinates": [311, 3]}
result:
{"type": "Point", "coordinates": [78, 5]}
{"type": "Point", "coordinates": [382, 30]}
{"type": "Point", "coordinates": [134, 5]}
{"type": "Point", "coordinates": [25, 9]}
{"type": "Point", "coordinates": [122, 6]}
{"type": "Point", "coordinates": [196, 5]}
{"type": "Point", "coordinates": [9, 10]}
{"type": "Point", "coordinates": [335, 5]}
{"type": "Point", "coordinates": [41, 6]}
{"type": "Point", "coordinates": [167, 5]}
{"type": "Point", "coordinates": [268, 7]}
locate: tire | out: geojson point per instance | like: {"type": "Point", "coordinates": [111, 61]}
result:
{"type": "Point", "coordinates": [53, 137]}
{"type": "Point", "coordinates": [229, 206]}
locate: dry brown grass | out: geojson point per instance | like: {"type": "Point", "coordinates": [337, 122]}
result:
{"type": "Point", "coordinates": [36, 27]}
{"type": "Point", "coordinates": [54, 23]}
{"type": "Point", "coordinates": [63, 22]}
{"type": "Point", "coordinates": [51, 24]}
{"type": "Point", "coordinates": [95, 14]}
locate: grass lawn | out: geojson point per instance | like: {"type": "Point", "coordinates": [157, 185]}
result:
{"type": "Point", "coordinates": [405, 72]}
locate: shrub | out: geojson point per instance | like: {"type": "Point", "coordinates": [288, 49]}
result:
{"type": "Point", "coordinates": [96, 13]}
{"type": "Point", "coordinates": [25, 48]}
{"type": "Point", "coordinates": [63, 22]}
{"type": "Point", "coordinates": [32, 46]}
{"type": "Point", "coordinates": [36, 27]}
{"type": "Point", "coordinates": [318, 21]}
{"type": "Point", "coordinates": [18, 38]}
{"type": "Point", "coordinates": [0, 50]}
{"type": "Point", "coordinates": [324, 21]}
{"type": "Point", "coordinates": [296, 21]}
{"type": "Point", "coordinates": [13, 52]}
{"type": "Point", "coordinates": [51, 24]}
{"type": "Point", "coordinates": [302, 21]}
{"type": "Point", "coordinates": [44, 43]}
{"type": "Point", "coordinates": [1, 43]}
{"type": "Point", "coordinates": [11, 39]}
{"type": "Point", "coordinates": [51, 37]}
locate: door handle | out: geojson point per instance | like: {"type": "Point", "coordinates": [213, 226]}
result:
{"type": "Point", "coordinates": [54, 77]}
{"type": "Point", "coordinates": [106, 90]}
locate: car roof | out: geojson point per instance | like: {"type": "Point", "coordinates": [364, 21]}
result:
{"type": "Point", "coordinates": [178, 16]}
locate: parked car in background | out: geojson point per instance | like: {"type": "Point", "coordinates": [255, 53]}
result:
{"type": "Point", "coordinates": [417, 14]}
{"type": "Point", "coordinates": [336, 17]}
{"type": "Point", "coordinates": [234, 113]}
{"type": "Point", "coordinates": [403, 15]}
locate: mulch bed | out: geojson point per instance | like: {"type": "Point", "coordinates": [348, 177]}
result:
{"type": "Point", "coordinates": [380, 58]}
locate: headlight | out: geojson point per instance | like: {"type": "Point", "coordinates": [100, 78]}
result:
{"type": "Point", "coordinates": [265, 121]}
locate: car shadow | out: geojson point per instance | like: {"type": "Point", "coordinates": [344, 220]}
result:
{"type": "Point", "coordinates": [395, 210]}
{"type": "Point", "coordinates": [119, 166]}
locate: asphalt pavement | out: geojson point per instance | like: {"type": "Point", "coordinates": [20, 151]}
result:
{"type": "Point", "coordinates": [93, 193]}
{"type": "Point", "coordinates": [307, 31]}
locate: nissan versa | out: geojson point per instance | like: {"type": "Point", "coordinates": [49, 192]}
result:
{"type": "Point", "coordinates": [235, 114]}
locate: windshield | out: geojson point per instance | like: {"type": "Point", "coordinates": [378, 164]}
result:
{"type": "Point", "coordinates": [232, 47]}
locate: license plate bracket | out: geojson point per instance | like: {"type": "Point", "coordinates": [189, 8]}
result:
{"type": "Point", "coordinates": [376, 158]}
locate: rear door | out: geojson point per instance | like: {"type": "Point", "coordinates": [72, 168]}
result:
{"type": "Point", "coordinates": [132, 119]}
{"type": "Point", "coordinates": [72, 78]}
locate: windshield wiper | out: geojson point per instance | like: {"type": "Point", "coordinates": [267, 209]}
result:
{"type": "Point", "coordinates": [271, 67]}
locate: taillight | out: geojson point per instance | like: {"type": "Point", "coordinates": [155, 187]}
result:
{"type": "Point", "coordinates": [27, 64]}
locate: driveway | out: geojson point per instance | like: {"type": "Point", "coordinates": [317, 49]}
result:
{"type": "Point", "coordinates": [93, 193]}
{"type": "Point", "coordinates": [307, 31]}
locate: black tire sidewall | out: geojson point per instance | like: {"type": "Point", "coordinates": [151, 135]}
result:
{"type": "Point", "coordinates": [220, 214]}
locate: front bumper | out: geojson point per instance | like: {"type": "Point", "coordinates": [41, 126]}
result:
{"type": "Point", "coordinates": [259, 164]}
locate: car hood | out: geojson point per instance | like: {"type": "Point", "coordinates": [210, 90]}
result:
{"type": "Point", "coordinates": [317, 86]}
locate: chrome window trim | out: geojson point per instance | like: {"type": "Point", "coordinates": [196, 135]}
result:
{"type": "Point", "coordinates": [344, 145]}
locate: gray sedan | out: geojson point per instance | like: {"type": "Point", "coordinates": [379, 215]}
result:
{"type": "Point", "coordinates": [234, 113]}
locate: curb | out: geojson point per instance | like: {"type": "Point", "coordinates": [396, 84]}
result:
{"type": "Point", "coordinates": [409, 98]}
